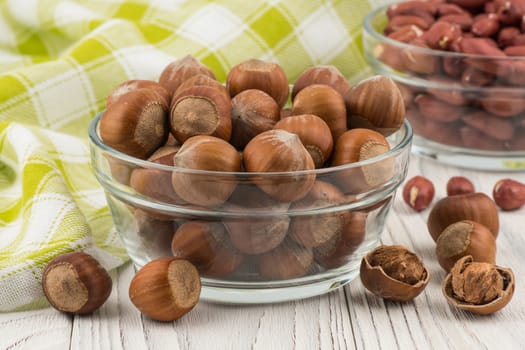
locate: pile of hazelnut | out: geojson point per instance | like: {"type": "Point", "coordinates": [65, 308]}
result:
{"type": "Point", "coordinates": [464, 225]}
{"type": "Point", "coordinates": [471, 101]}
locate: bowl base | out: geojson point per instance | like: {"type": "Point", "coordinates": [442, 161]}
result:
{"type": "Point", "coordinates": [467, 158]}
{"type": "Point", "coordinates": [227, 295]}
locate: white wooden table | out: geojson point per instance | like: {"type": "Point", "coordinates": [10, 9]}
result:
{"type": "Point", "coordinates": [347, 318]}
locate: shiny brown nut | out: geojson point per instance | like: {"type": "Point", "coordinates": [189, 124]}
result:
{"type": "Point", "coordinates": [464, 238]}
{"type": "Point", "coordinates": [375, 103]}
{"type": "Point", "coordinates": [357, 145]}
{"type": "Point", "coordinates": [201, 110]}
{"type": "Point", "coordinates": [207, 246]}
{"type": "Point", "coordinates": [468, 4]}
{"type": "Point", "coordinates": [288, 260]}
{"type": "Point", "coordinates": [338, 250]}
{"type": "Point", "coordinates": [449, 91]}
{"type": "Point", "coordinates": [406, 34]}
{"type": "Point", "coordinates": [418, 8]}
{"type": "Point", "coordinates": [482, 47]}
{"type": "Point", "coordinates": [252, 112]}
{"type": "Point", "coordinates": [198, 80]}
{"type": "Point", "coordinates": [516, 50]}
{"type": "Point", "coordinates": [485, 25]}
{"type": "Point", "coordinates": [418, 193]}
{"type": "Point", "coordinates": [135, 84]}
{"type": "Point", "coordinates": [459, 185]}
{"type": "Point", "coordinates": [509, 194]}
{"type": "Point", "coordinates": [76, 283]}
{"type": "Point", "coordinates": [504, 102]}
{"type": "Point", "coordinates": [421, 21]}
{"type": "Point", "coordinates": [495, 127]}
{"type": "Point", "coordinates": [433, 109]}
{"type": "Point", "coordinates": [205, 153]}
{"type": "Point", "coordinates": [136, 124]}
{"type": "Point", "coordinates": [510, 12]}
{"type": "Point", "coordinates": [472, 76]}
{"type": "Point", "coordinates": [261, 75]}
{"type": "Point", "coordinates": [280, 151]}
{"type": "Point", "coordinates": [419, 60]}
{"type": "Point", "coordinates": [312, 230]}
{"type": "Point", "coordinates": [480, 288]}
{"type": "Point", "coordinates": [441, 35]}
{"type": "Point", "coordinates": [506, 36]}
{"type": "Point", "coordinates": [475, 139]}
{"type": "Point", "coordinates": [314, 134]}
{"type": "Point", "coordinates": [178, 71]}
{"type": "Point", "coordinates": [446, 8]}
{"type": "Point", "coordinates": [464, 20]}
{"type": "Point", "coordinates": [394, 273]}
{"type": "Point", "coordinates": [477, 207]}
{"type": "Point", "coordinates": [324, 102]}
{"type": "Point", "coordinates": [327, 75]}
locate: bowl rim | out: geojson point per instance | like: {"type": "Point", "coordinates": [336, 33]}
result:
{"type": "Point", "coordinates": [381, 10]}
{"type": "Point", "coordinates": [97, 142]}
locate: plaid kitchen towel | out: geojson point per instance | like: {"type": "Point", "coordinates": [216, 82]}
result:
{"type": "Point", "coordinates": [58, 61]}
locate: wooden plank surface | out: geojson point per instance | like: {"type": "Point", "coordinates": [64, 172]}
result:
{"type": "Point", "coordinates": [345, 319]}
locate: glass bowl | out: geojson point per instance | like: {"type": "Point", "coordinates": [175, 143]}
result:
{"type": "Point", "coordinates": [252, 248]}
{"type": "Point", "coordinates": [466, 110]}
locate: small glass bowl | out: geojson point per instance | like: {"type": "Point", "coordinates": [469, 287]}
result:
{"type": "Point", "coordinates": [466, 110]}
{"type": "Point", "coordinates": [244, 248]}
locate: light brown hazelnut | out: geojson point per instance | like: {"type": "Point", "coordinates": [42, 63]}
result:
{"type": "Point", "coordinates": [136, 124]}
{"type": "Point", "coordinates": [393, 272]}
{"type": "Point", "coordinates": [205, 153]}
{"type": "Point", "coordinates": [313, 132]}
{"type": "Point", "coordinates": [338, 250]}
{"type": "Point", "coordinates": [253, 111]}
{"type": "Point", "coordinates": [418, 193]}
{"type": "Point", "coordinates": [288, 260]}
{"type": "Point", "coordinates": [261, 75]}
{"type": "Point", "coordinates": [477, 207]}
{"type": "Point", "coordinates": [201, 110]}
{"type": "Point", "coordinates": [509, 194]}
{"type": "Point", "coordinates": [76, 283]}
{"type": "Point", "coordinates": [180, 70]}
{"type": "Point", "coordinates": [324, 102]}
{"type": "Point", "coordinates": [357, 145]}
{"type": "Point", "coordinates": [165, 289]}
{"type": "Point", "coordinates": [280, 151]}
{"type": "Point", "coordinates": [207, 246]}
{"type": "Point", "coordinates": [375, 103]}
{"type": "Point", "coordinates": [313, 230]}
{"type": "Point", "coordinates": [199, 80]}
{"type": "Point", "coordinates": [478, 287]}
{"type": "Point", "coordinates": [135, 84]}
{"type": "Point", "coordinates": [327, 75]}
{"type": "Point", "coordinates": [464, 238]}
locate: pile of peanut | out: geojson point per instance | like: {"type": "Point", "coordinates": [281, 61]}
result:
{"type": "Point", "coordinates": [482, 103]}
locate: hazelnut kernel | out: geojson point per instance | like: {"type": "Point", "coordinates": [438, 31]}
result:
{"type": "Point", "coordinates": [418, 193]}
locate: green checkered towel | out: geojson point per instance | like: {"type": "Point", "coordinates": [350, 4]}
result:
{"type": "Point", "coordinates": [58, 61]}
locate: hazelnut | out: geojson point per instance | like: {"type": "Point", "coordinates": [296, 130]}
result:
{"type": "Point", "coordinates": [418, 193]}
{"type": "Point", "coordinates": [178, 71]}
{"type": "Point", "coordinates": [393, 272]}
{"type": "Point", "coordinates": [465, 238]}
{"type": "Point", "coordinates": [326, 75]}
{"type": "Point", "coordinates": [165, 289]}
{"type": "Point", "coordinates": [288, 260]}
{"type": "Point", "coordinates": [261, 75]}
{"type": "Point", "coordinates": [253, 111]}
{"type": "Point", "coordinates": [509, 194]}
{"type": "Point", "coordinates": [459, 185]}
{"type": "Point", "coordinates": [338, 250]}
{"type": "Point", "coordinates": [205, 153]}
{"type": "Point", "coordinates": [280, 151]}
{"type": "Point", "coordinates": [207, 246]}
{"type": "Point", "coordinates": [477, 207]}
{"type": "Point", "coordinates": [375, 103]}
{"type": "Point", "coordinates": [199, 80]}
{"type": "Point", "coordinates": [154, 231]}
{"type": "Point", "coordinates": [314, 230]}
{"type": "Point", "coordinates": [130, 85]}
{"type": "Point", "coordinates": [136, 124]}
{"type": "Point", "coordinates": [324, 102]}
{"type": "Point", "coordinates": [201, 110]}
{"type": "Point", "coordinates": [478, 287]}
{"type": "Point", "coordinates": [314, 134]}
{"type": "Point", "coordinates": [76, 283]}
{"type": "Point", "coordinates": [357, 145]}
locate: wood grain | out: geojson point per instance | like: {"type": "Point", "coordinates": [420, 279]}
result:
{"type": "Point", "coordinates": [348, 318]}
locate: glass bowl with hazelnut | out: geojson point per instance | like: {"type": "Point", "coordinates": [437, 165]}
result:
{"type": "Point", "coordinates": [285, 213]}
{"type": "Point", "coordinates": [462, 74]}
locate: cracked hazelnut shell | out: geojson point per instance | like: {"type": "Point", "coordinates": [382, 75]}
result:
{"type": "Point", "coordinates": [394, 273]}
{"type": "Point", "coordinates": [480, 288]}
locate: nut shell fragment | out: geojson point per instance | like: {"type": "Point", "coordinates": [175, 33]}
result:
{"type": "Point", "coordinates": [394, 273]}
{"type": "Point", "coordinates": [459, 294]}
